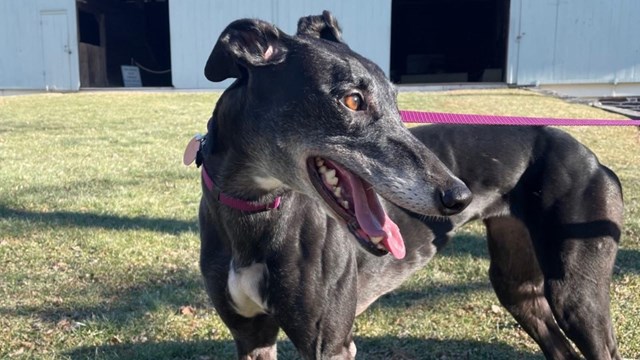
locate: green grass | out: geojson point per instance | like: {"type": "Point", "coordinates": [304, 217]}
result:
{"type": "Point", "coordinates": [99, 245]}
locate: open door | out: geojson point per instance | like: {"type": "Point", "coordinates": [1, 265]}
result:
{"type": "Point", "coordinates": [129, 33]}
{"type": "Point", "coordinates": [449, 41]}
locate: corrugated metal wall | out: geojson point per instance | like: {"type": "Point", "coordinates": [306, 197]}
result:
{"type": "Point", "coordinates": [196, 25]}
{"type": "Point", "coordinates": [550, 41]}
{"type": "Point", "coordinates": [38, 45]}
{"type": "Point", "coordinates": [574, 41]}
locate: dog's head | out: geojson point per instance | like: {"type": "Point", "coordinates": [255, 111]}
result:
{"type": "Point", "coordinates": [311, 115]}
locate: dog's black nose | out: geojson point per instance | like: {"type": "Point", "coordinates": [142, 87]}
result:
{"type": "Point", "coordinates": [456, 199]}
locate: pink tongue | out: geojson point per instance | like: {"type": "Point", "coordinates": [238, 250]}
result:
{"type": "Point", "coordinates": [373, 220]}
{"type": "Point", "coordinates": [393, 241]}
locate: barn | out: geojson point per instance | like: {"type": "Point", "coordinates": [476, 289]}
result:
{"type": "Point", "coordinates": [588, 47]}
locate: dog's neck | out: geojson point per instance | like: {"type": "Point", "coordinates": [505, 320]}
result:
{"type": "Point", "coordinates": [251, 235]}
{"type": "Point", "coordinates": [235, 169]}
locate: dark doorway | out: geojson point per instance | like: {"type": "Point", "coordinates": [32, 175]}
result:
{"type": "Point", "coordinates": [134, 33]}
{"type": "Point", "coordinates": [444, 41]}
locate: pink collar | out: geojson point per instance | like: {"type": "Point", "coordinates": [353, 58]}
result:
{"type": "Point", "coordinates": [238, 204]}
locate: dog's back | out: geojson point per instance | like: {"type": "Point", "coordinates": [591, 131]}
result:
{"type": "Point", "coordinates": [554, 217]}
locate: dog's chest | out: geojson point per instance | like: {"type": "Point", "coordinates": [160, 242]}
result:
{"type": "Point", "coordinates": [245, 286]}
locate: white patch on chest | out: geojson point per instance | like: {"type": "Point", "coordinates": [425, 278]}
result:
{"type": "Point", "coordinates": [267, 183]}
{"type": "Point", "coordinates": [244, 287]}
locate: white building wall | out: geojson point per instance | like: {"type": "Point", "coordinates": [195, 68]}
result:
{"type": "Point", "coordinates": [551, 42]}
{"type": "Point", "coordinates": [574, 42]}
{"type": "Point", "coordinates": [24, 42]}
{"type": "Point", "coordinates": [196, 25]}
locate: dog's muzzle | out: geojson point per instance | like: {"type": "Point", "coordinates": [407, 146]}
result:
{"type": "Point", "coordinates": [355, 202]}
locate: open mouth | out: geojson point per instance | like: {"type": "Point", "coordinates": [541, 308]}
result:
{"type": "Point", "coordinates": [355, 201]}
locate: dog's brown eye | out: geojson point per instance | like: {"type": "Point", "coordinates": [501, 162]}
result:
{"type": "Point", "coordinates": [353, 101]}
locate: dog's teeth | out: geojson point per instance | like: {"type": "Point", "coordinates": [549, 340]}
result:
{"type": "Point", "coordinates": [381, 247]}
{"type": "Point", "coordinates": [322, 169]}
{"type": "Point", "coordinates": [337, 191]}
{"type": "Point", "coordinates": [330, 177]}
{"type": "Point", "coordinates": [345, 204]}
{"type": "Point", "coordinates": [375, 239]}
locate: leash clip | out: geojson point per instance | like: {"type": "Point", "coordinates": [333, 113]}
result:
{"type": "Point", "coordinates": [202, 139]}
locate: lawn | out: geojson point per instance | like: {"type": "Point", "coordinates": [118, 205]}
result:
{"type": "Point", "coordinates": [99, 244]}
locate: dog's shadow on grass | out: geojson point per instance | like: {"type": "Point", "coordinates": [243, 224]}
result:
{"type": "Point", "coordinates": [466, 244]}
{"type": "Point", "coordinates": [463, 244]}
{"type": "Point", "coordinates": [118, 305]}
{"type": "Point", "coordinates": [628, 261]}
{"type": "Point", "coordinates": [104, 221]}
{"type": "Point", "coordinates": [374, 348]}
{"type": "Point", "coordinates": [185, 288]}
{"type": "Point", "coordinates": [434, 294]}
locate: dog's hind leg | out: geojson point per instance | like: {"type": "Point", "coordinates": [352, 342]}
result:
{"type": "Point", "coordinates": [578, 292]}
{"type": "Point", "coordinates": [576, 248]}
{"type": "Point", "coordinates": [578, 277]}
{"type": "Point", "coordinates": [519, 285]}
{"type": "Point", "coordinates": [580, 302]}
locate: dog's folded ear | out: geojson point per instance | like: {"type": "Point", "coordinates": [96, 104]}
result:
{"type": "Point", "coordinates": [323, 26]}
{"type": "Point", "coordinates": [243, 45]}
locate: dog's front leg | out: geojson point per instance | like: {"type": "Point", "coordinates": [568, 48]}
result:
{"type": "Point", "coordinates": [319, 312]}
{"type": "Point", "coordinates": [255, 337]}
{"type": "Point", "coordinates": [327, 334]}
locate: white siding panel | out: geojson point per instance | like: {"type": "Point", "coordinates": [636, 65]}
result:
{"type": "Point", "coordinates": [196, 25]}
{"type": "Point", "coordinates": [366, 25]}
{"type": "Point", "coordinates": [586, 41]}
{"type": "Point", "coordinates": [22, 62]}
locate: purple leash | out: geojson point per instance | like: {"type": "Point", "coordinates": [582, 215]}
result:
{"type": "Point", "coordinates": [410, 116]}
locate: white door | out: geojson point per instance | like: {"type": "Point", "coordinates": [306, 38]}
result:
{"type": "Point", "coordinates": [56, 51]}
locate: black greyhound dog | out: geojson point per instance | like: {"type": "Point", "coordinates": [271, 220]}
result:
{"type": "Point", "coordinates": [306, 152]}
